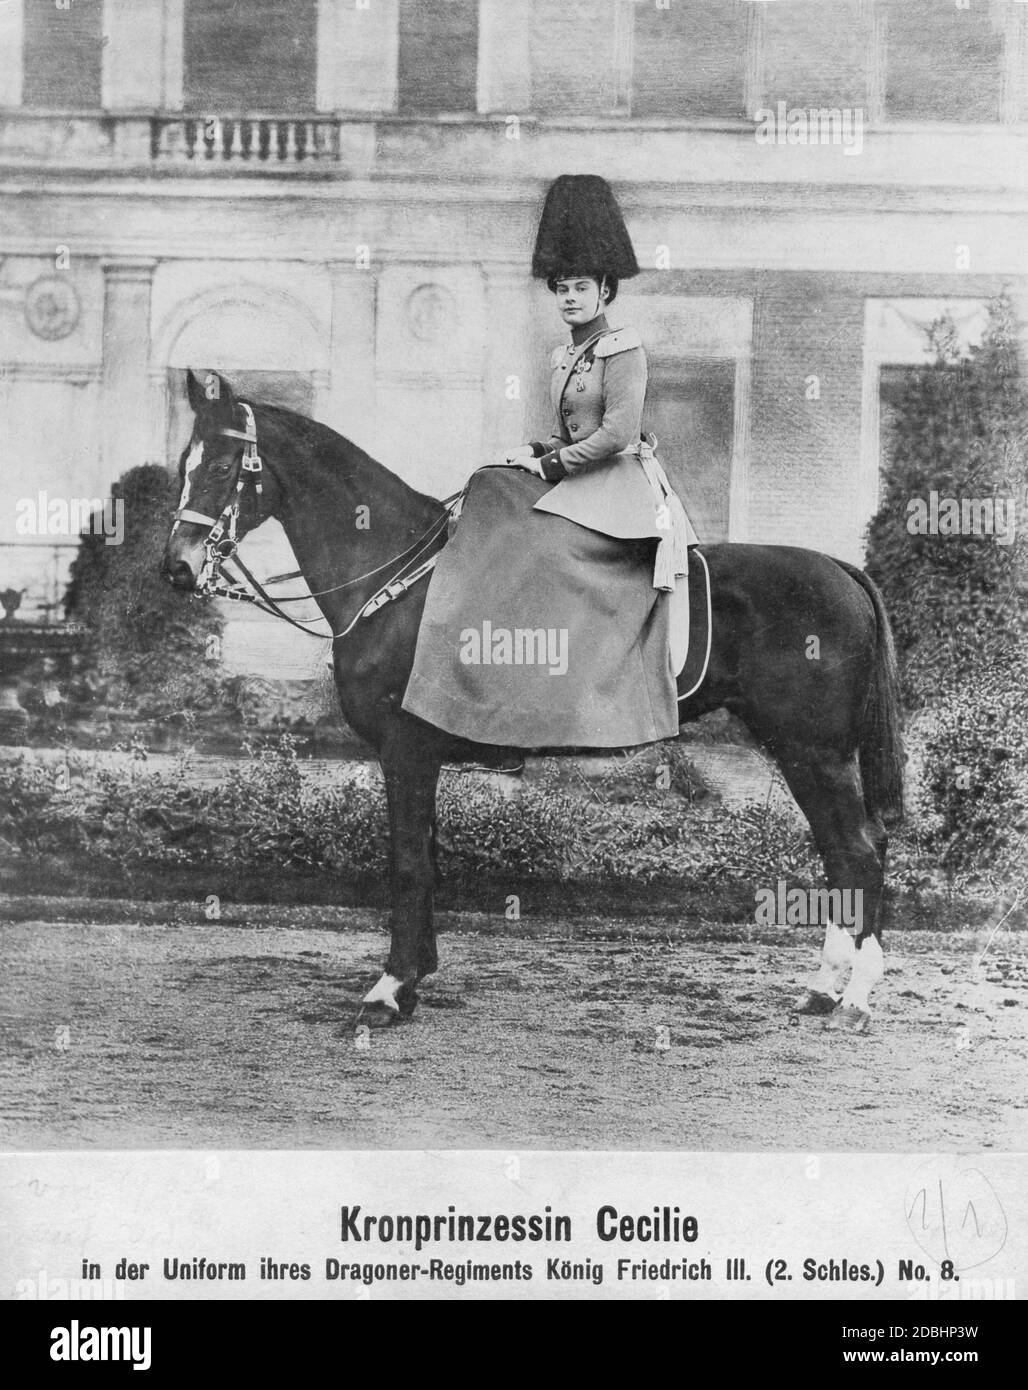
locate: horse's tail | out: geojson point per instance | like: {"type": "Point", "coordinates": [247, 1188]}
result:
{"type": "Point", "coordinates": [881, 740]}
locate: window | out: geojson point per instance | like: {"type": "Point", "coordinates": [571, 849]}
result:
{"type": "Point", "coordinates": [63, 55]}
{"type": "Point", "coordinates": [573, 57]}
{"type": "Point", "coordinates": [257, 56]}
{"type": "Point", "coordinates": [690, 59]}
{"type": "Point", "coordinates": [815, 54]}
{"type": "Point", "coordinates": [942, 63]}
{"type": "Point", "coordinates": [438, 59]}
{"type": "Point", "coordinates": [896, 344]}
{"type": "Point", "coordinates": [690, 407]}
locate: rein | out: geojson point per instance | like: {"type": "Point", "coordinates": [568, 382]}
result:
{"type": "Point", "coordinates": [221, 547]}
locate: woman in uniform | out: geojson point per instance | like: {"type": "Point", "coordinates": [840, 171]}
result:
{"type": "Point", "coordinates": [572, 572]}
{"type": "Point", "coordinates": [598, 384]}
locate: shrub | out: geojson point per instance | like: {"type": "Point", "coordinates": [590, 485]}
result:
{"type": "Point", "coordinates": [265, 815]}
{"type": "Point", "coordinates": [38, 813]}
{"type": "Point", "coordinates": [959, 603]}
{"type": "Point", "coordinates": [534, 834]}
{"type": "Point", "coordinates": [147, 645]}
{"type": "Point", "coordinates": [275, 818]}
{"type": "Point", "coordinates": [962, 431]}
{"type": "Point", "coordinates": [972, 798]}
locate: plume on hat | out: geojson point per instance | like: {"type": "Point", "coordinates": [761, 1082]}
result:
{"type": "Point", "coordinates": [582, 231]}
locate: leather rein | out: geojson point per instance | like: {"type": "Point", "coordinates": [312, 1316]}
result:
{"type": "Point", "coordinates": [221, 545]}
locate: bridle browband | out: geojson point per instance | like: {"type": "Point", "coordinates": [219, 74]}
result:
{"type": "Point", "coordinates": [221, 545]}
{"type": "Point", "coordinates": [221, 542]}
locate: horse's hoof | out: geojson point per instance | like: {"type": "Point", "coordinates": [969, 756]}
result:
{"type": "Point", "coordinates": [849, 1019]}
{"type": "Point", "coordinates": [813, 1001]}
{"type": "Point", "coordinates": [376, 1014]}
{"type": "Point", "coordinates": [407, 1001]}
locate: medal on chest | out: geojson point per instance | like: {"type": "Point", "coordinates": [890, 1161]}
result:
{"type": "Point", "coordinates": [578, 372]}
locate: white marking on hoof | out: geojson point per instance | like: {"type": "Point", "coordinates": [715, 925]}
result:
{"type": "Point", "coordinates": [868, 969]}
{"type": "Point", "coordinates": [849, 1020]}
{"type": "Point", "coordinates": [837, 960]}
{"type": "Point", "coordinates": [384, 992]}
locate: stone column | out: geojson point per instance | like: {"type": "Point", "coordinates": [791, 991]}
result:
{"type": "Point", "coordinates": [509, 380]}
{"type": "Point", "coordinates": [142, 55]}
{"type": "Point", "coordinates": [755, 59]}
{"type": "Point", "coordinates": [158, 450]}
{"type": "Point", "coordinates": [126, 426]}
{"type": "Point", "coordinates": [624, 55]}
{"type": "Point", "coordinates": [12, 29]}
{"type": "Point", "coordinates": [1014, 88]}
{"type": "Point", "coordinates": [504, 57]}
{"type": "Point", "coordinates": [173, 81]}
{"type": "Point", "coordinates": [358, 50]}
{"type": "Point", "coordinates": [346, 401]}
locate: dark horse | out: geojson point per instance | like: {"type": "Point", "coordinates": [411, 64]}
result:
{"type": "Point", "coordinates": [832, 723]}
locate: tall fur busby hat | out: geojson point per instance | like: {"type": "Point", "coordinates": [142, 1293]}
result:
{"type": "Point", "coordinates": [582, 232]}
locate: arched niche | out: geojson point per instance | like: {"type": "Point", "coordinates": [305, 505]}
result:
{"type": "Point", "coordinates": [272, 347]}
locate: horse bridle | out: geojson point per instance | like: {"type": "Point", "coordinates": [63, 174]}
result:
{"type": "Point", "coordinates": [221, 541]}
{"type": "Point", "coordinates": [221, 544]}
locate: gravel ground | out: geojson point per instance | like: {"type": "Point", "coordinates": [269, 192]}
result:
{"type": "Point", "coordinates": [151, 1034]}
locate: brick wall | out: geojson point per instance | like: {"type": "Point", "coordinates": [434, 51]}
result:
{"type": "Point", "coordinates": [804, 452]}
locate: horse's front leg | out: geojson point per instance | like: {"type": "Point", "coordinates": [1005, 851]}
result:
{"type": "Point", "coordinates": [411, 774]}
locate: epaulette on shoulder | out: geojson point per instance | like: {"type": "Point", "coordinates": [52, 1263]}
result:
{"type": "Point", "coordinates": [557, 356]}
{"type": "Point", "coordinates": [619, 341]}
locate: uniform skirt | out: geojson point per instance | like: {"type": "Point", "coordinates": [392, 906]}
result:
{"type": "Point", "coordinates": [541, 633]}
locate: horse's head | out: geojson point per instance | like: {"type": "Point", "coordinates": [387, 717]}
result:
{"type": "Point", "coordinates": [224, 495]}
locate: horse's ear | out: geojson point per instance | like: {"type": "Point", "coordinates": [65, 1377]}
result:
{"type": "Point", "coordinates": [209, 394]}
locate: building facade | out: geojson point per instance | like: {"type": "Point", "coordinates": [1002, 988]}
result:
{"type": "Point", "coordinates": [333, 202]}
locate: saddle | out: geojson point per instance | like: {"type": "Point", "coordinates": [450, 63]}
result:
{"type": "Point", "coordinates": [691, 625]}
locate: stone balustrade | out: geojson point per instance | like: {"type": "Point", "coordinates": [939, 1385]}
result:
{"type": "Point", "coordinates": [721, 159]}
{"type": "Point", "coordinates": [246, 139]}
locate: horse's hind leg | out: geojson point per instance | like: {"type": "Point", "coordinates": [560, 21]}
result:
{"type": "Point", "coordinates": [411, 772]}
{"type": "Point", "coordinates": [828, 792]}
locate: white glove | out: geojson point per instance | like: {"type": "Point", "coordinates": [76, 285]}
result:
{"type": "Point", "coordinates": [520, 457]}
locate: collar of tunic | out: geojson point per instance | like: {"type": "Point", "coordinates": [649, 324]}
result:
{"type": "Point", "coordinates": [582, 332]}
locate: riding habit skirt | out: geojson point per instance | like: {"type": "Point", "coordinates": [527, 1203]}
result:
{"type": "Point", "coordinates": [540, 633]}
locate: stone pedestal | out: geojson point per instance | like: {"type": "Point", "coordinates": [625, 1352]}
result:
{"type": "Point", "coordinates": [14, 721]}
{"type": "Point", "coordinates": [34, 651]}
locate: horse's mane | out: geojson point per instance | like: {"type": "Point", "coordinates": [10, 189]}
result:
{"type": "Point", "coordinates": [333, 447]}
{"type": "Point", "coordinates": [306, 430]}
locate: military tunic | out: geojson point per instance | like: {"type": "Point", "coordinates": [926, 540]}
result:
{"type": "Point", "coordinates": [597, 390]}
